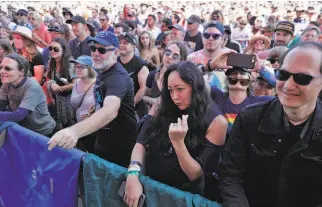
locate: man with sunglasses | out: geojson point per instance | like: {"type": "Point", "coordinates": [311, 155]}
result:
{"type": "Point", "coordinates": [79, 46]}
{"type": "Point", "coordinates": [273, 156]}
{"type": "Point", "coordinates": [104, 20]}
{"type": "Point", "coordinates": [212, 38]}
{"type": "Point", "coordinates": [137, 69]}
{"type": "Point", "coordinates": [22, 17]}
{"type": "Point", "coordinates": [193, 37]}
{"type": "Point", "coordinates": [114, 118]}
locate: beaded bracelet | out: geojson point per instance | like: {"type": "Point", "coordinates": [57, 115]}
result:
{"type": "Point", "coordinates": [133, 172]}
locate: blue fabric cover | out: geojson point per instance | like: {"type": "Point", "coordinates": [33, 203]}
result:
{"type": "Point", "coordinates": [32, 176]}
{"type": "Point", "coordinates": [103, 179]}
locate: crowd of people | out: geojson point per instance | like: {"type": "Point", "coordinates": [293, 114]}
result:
{"type": "Point", "coordinates": [147, 86]}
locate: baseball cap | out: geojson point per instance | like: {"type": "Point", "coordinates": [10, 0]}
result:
{"type": "Point", "coordinates": [194, 19]}
{"type": "Point", "coordinates": [215, 24]}
{"type": "Point", "coordinates": [236, 69]}
{"type": "Point", "coordinates": [77, 19]}
{"type": "Point", "coordinates": [227, 29]}
{"type": "Point", "coordinates": [105, 38]}
{"type": "Point", "coordinates": [56, 29]}
{"type": "Point", "coordinates": [267, 74]}
{"type": "Point", "coordinates": [83, 60]}
{"type": "Point", "coordinates": [176, 26]}
{"type": "Point", "coordinates": [22, 11]}
{"type": "Point", "coordinates": [128, 37]}
{"type": "Point", "coordinates": [286, 26]}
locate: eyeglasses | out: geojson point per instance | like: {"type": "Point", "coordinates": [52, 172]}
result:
{"type": "Point", "coordinates": [214, 36]}
{"type": "Point", "coordinates": [54, 27]}
{"type": "Point", "coordinates": [243, 82]}
{"type": "Point", "coordinates": [299, 78]}
{"type": "Point", "coordinates": [81, 67]}
{"type": "Point", "coordinates": [168, 53]}
{"type": "Point", "coordinates": [264, 84]}
{"type": "Point", "coordinates": [101, 50]}
{"type": "Point", "coordinates": [6, 68]}
{"type": "Point", "coordinates": [102, 20]}
{"type": "Point", "coordinates": [21, 15]}
{"type": "Point", "coordinates": [56, 49]}
{"type": "Point", "coordinates": [273, 60]}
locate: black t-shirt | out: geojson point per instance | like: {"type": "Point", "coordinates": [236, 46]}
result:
{"type": "Point", "coordinates": [233, 46]}
{"type": "Point", "coordinates": [36, 60]}
{"type": "Point", "coordinates": [164, 166]}
{"type": "Point", "coordinates": [122, 131]}
{"type": "Point", "coordinates": [133, 67]}
{"type": "Point", "coordinates": [290, 139]}
{"type": "Point", "coordinates": [78, 48]}
{"type": "Point", "coordinates": [152, 84]}
{"type": "Point", "coordinates": [195, 42]}
{"type": "Point", "coordinates": [320, 96]}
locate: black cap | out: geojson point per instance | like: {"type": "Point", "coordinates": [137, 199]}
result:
{"type": "Point", "coordinates": [77, 19]}
{"type": "Point", "coordinates": [128, 37]}
{"type": "Point", "coordinates": [68, 12]}
{"type": "Point", "coordinates": [56, 29]}
{"type": "Point", "coordinates": [236, 69]}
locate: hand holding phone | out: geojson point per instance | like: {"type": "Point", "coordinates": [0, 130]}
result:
{"type": "Point", "coordinates": [126, 199]}
{"type": "Point", "coordinates": [241, 60]}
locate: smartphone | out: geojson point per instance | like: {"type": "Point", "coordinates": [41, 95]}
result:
{"type": "Point", "coordinates": [241, 60]}
{"type": "Point", "coordinates": [122, 192]}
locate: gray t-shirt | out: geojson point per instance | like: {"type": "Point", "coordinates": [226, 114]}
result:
{"type": "Point", "coordinates": [29, 96]}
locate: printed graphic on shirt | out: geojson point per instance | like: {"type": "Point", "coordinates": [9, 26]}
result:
{"type": "Point", "coordinates": [231, 119]}
{"type": "Point", "coordinates": [98, 94]}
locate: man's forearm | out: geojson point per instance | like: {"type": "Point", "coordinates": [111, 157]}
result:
{"type": "Point", "coordinates": [95, 122]}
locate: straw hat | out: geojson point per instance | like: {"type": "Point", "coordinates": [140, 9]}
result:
{"type": "Point", "coordinates": [266, 40]}
{"type": "Point", "coordinates": [24, 31]}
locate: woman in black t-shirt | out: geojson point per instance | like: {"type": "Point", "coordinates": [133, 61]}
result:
{"type": "Point", "coordinates": [187, 132]}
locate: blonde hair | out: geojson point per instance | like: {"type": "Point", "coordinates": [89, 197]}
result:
{"type": "Point", "coordinates": [30, 46]}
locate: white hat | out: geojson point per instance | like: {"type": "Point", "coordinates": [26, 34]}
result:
{"type": "Point", "coordinates": [24, 31]}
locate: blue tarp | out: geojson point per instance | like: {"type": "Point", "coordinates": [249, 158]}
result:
{"type": "Point", "coordinates": [102, 181]}
{"type": "Point", "coordinates": [32, 176]}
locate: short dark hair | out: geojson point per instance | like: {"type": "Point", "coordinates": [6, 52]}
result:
{"type": "Point", "coordinates": [103, 10]}
{"type": "Point", "coordinates": [306, 44]}
{"type": "Point", "coordinates": [23, 63]}
{"type": "Point", "coordinates": [123, 25]}
{"type": "Point", "coordinates": [131, 24]}
{"type": "Point", "coordinates": [151, 15]}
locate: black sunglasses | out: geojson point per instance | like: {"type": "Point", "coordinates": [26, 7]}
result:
{"type": "Point", "coordinates": [175, 56]}
{"type": "Point", "coordinates": [56, 49]}
{"type": "Point", "coordinates": [102, 20]}
{"type": "Point", "coordinates": [243, 82]}
{"type": "Point", "coordinates": [6, 68]}
{"type": "Point", "coordinates": [299, 78]}
{"type": "Point", "coordinates": [100, 49]}
{"type": "Point", "coordinates": [21, 15]}
{"type": "Point", "coordinates": [273, 60]}
{"type": "Point", "coordinates": [214, 36]}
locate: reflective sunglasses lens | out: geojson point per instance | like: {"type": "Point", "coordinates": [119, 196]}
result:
{"type": "Point", "coordinates": [232, 81]}
{"type": "Point", "coordinates": [206, 35]}
{"type": "Point", "coordinates": [244, 82]}
{"type": "Point", "coordinates": [282, 75]}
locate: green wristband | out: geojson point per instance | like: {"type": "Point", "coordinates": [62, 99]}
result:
{"type": "Point", "coordinates": [133, 172]}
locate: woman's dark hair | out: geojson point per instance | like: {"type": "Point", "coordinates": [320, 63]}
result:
{"type": "Point", "coordinates": [64, 62]}
{"type": "Point", "coordinates": [177, 18]}
{"type": "Point", "coordinates": [169, 112]}
{"type": "Point", "coordinates": [307, 45]}
{"type": "Point", "coordinates": [217, 12]}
